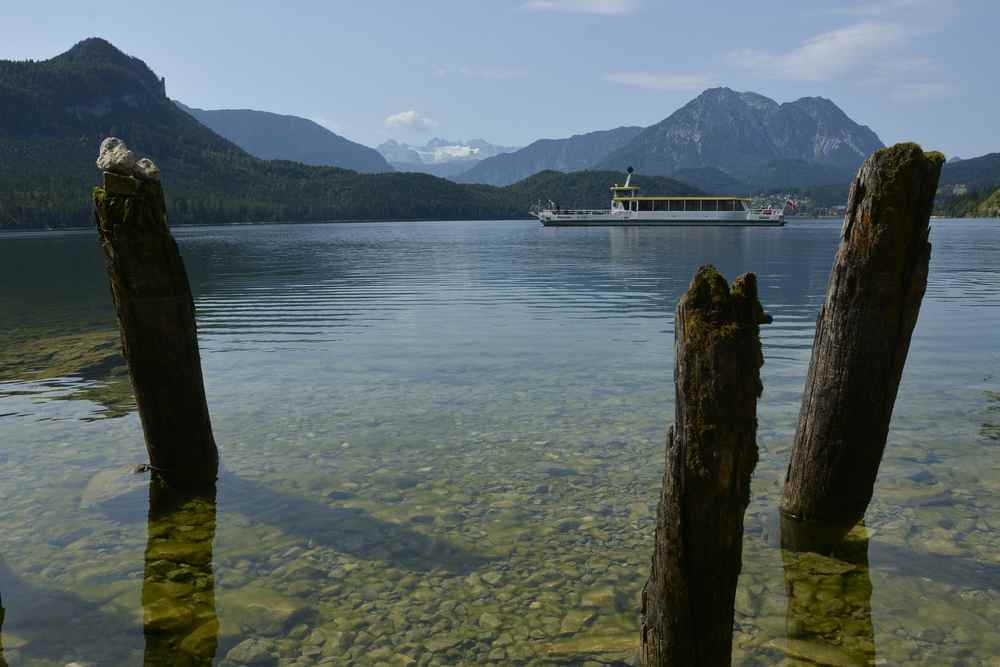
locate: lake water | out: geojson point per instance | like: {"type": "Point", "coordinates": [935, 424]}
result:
{"type": "Point", "coordinates": [442, 444]}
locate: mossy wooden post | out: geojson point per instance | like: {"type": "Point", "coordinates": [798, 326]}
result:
{"type": "Point", "coordinates": [156, 317]}
{"type": "Point", "coordinates": [862, 339]}
{"type": "Point", "coordinates": [687, 603]}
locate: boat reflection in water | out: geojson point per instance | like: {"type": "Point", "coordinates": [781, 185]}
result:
{"type": "Point", "coordinates": [829, 613]}
{"type": "Point", "coordinates": [178, 590]}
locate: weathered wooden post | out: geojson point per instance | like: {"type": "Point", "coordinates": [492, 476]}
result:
{"type": "Point", "coordinates": [156, 316]}
{"type": "Point", "coordinates": [862, 338]}
{"type": "Point", "coordinates": [688, 601]}
{"type": "Point", "coordinates": [178, 589]}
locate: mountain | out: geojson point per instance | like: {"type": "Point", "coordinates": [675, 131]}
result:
{"type": "Point", "coordinates": [440, 157]}
{"type": "Point", "coordinates": [710, 179]}
{"type": "Point", "coordinates": [394, 151]}
{"type": "Point", "coordinates": [990, 206]}
{"type": "Point", "coordinates": [967, 188]}
{"type": "Point", "coordinates": [447, 170]}
{"type": "Point", "coordinates": [54, 114]}
{"type": "Point", "coordinates": [578, 152]}
{"type": "Point", "coordinates": [272, 136]}
{"type": "Point", "coordinates": [976, 172]}
{"type": "Point", "coordinates": [742, 133]}
{"type": "Point", "coordinates": [589, 189]}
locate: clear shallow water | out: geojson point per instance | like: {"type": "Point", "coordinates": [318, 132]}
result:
{"type": "Point", "coordinates": [443, 445]}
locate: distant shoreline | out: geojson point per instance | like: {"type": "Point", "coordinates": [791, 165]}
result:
{"type": "Point", "coordinates": [339, 221]}
{"type": "Point", "coordinates": [41, 231]}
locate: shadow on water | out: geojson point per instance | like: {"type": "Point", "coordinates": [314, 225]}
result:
{"type": "Point", "coordinates": [347, 530]}
{"type": "Point", "coordinates": [32, 613]}
{"type": "Point", "coordinates": [180, 624]}
{"type": "Point", "coordinates": [829, 615]}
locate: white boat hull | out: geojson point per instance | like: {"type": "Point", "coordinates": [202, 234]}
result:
{"type": "Point", "coordinates": [608, 218]}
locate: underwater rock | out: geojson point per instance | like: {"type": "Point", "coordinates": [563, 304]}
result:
{"type": "Point", "coordinates": [815, 652]}
{"type": "Point", "coordinates": [165, 616]}
{"type": "Point", "coordinates": [609, 650]}
{"type": "Point", "coordinates": [490, 621]}
{"type": "Point", "coordinates": [439, 644]}
{"type": "Point", "coordinates": [492, 578]}
{"type": "Point", "coordinates": [251, 652]}
{"type": "Point", "coordinates": [575, 620]}
{"type": "Point", "coordinates": [262, 610]}
{"type": "Point", "coordinates": [203, 641]}
{"type": "Point", "coordinates": [602, 598]}
{"type": "Point", "coordinates": [110, 485]}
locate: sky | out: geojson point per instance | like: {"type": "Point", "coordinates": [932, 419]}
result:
{"type": "Point", "coordinates": [513, 71]}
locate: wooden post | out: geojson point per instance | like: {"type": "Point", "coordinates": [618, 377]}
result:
{"type": "Point", "coordinates": [862, 338]}
{"type": "Point", "coordinates": [156, 317]}
{"type": "Point", "coordinates": [180, 624]}
{"type": "Point", "coordinates": [688, 601]}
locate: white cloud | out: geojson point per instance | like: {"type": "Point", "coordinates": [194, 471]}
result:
{"type": "Point", "coordinates": [474, 72]}
{"type": "Point", "coordinates": [855, 50]}
{"type": "Point", "coordinates": [605, 7]}
{"type": "Point", "coordinates": [659, 81]}
{"type": "Point", "coordinates": [410, 120]}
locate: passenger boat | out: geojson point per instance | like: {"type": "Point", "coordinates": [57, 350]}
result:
{"type": "Point", "coordinates": [629, 209]}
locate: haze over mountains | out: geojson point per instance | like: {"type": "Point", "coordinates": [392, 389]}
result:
{"type": "Point", "coordinates": [272, 136]}
{"type": "Point", "coordinates": [579, 152]}
{"type": "Point", "coordinates": [440, 157]}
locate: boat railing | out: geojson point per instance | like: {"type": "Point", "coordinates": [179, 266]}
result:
{"type": "Point", "coordinates": [576, 212]}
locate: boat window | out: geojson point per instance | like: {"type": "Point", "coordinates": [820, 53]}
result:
{"type": "Point", "coordinates": [692, 205]}
{"type": "Point", "coordinates": [739, 205]}
{"type": "Point", "coordinates": [676, 205]}
{"type": "Point", "coordinates": [645, 205]}
{"type": "Point", "coordinates": [710, 205]}
{"type": "Point", "coordinates": [725, 204]}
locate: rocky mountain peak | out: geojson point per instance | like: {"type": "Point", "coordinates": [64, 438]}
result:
{"type": "Point", "coordinates": [96, 52]}
{"type": "Point", "coordinates": [740, 132]}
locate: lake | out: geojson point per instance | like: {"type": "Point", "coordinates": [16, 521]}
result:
{"type": "Point", "coordinates": [442, 444]}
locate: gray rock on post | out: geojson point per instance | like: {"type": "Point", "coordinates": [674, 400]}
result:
{"type": "Point", "coordinates": [146, 170]}
{"type": "Point", "coordinates": [116, 158]}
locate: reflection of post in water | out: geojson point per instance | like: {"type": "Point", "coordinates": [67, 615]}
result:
{"type": "Point", "coordinates": [178, 589]}
{"type": "Point", "coordinates": [3, 662]}
{"type": "Point", "coordinates": [829, 601]}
